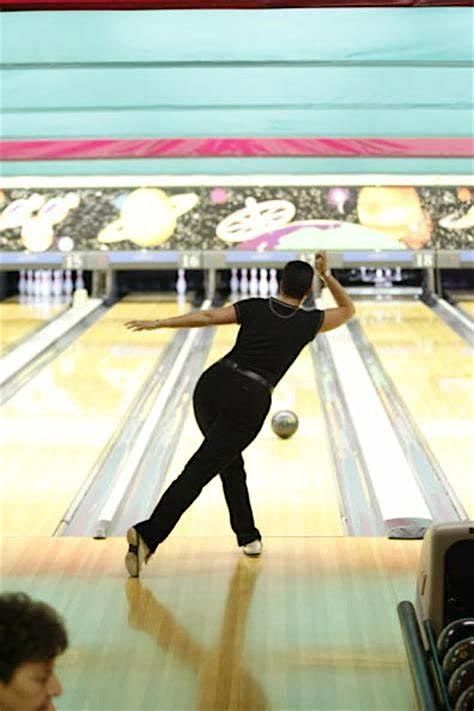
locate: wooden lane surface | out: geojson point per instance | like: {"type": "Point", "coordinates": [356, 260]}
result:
{"type": "Point", "coordinates": [55, 428]}
{"type": "Point", "coordinates": [433, 370]}
{"type": "Point", "coordinates": [18, 320]}
{"type": "Point", "coordinates": [311, 625]}
{"type": "Point", "coordinates": [467, 306]}
{"type": "Point", "coordinates": [291, 482]}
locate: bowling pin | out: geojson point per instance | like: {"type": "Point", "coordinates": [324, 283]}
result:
{"type": "Point", "coordinates": [22, 283]}
{"type": "Point", "coordinates": [38, 287]}
{"type": "Point", "coordinates": [68, 285]}
{"type": "Point", "coordinates": [181, 283]}
{"type": "Point", "coordinates": [30, 284]}
{"type": "Point", "coordinates": [244, 282]}
{"type": "Point", "coordinates": [398, 274]}
{"type": "Point", "coordinates": [263, 283]}
{"type": "Point", "coordinates": [273, 284]}
{"type": "Point", "coordinates": [379, 279]}
{"type": "Point", "coordinates": [79, 280]}
{"type": "Point", "coordinates": [57, 283]}
{"type": "Point", "coordinates": [234, 282]}
{"type": "Point", "coordinates": [46, 284]}
{"type": "Point", "coordinates": [253, 284]}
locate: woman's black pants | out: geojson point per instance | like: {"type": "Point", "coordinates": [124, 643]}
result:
{"type": "Point", "coordinates": [230, 409]}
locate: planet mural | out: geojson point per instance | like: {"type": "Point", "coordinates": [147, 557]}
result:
{"type": "Point", "coordinates": [395, 211]}
{"type": "Point", "coordinates": [245, 217]}
{"type": "Point", "coordinates": [36, 216]}
{"type": "Point", "coordinates": [147, 217]}
{"type": "Point", "coordinates": [256, 218]}
{"type": "Point", "coordinates": [267, 226]}
{"type": "Point", "coordinates": [457, 222]}
{"type": "Point", "coordinates": [322, 234]}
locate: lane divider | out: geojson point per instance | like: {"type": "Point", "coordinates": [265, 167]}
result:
{"type": "Point", "coordinates": [131, 464]}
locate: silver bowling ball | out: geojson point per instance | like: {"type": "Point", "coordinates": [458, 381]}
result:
{"type": "Point", "coordinates": [284, 423]}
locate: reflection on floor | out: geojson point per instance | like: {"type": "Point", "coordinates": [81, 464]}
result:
{"type": "Point", "coordinates": [310, 625]}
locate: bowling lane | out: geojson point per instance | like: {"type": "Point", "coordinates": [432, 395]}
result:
{"type": "Point", "coordinates": [467, 307]}
{"type": "Point", "coordinates": [55, 428]}
{"type": "Point", "coordinates": [291, 482]}
{"type": "Point", "coordinates": [433, 369]}
{"type": "Point", "coordinates": [19, 320]}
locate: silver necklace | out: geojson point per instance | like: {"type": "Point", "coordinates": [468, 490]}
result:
{"type": "Point", "coordinates": [275, 313]}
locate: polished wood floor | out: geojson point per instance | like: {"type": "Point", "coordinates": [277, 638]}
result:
{"type": "Point", "coordinates": [55, 428]}
{"type": "Point", "coordinates": [467, 306]}
{"type": "Point", "coordinates": [433, 370]}
{"type": "Point", "coordinates": [19, 320]}
{"type": "Point", "coordinates": [69, 412]}
{"type": "Point", "coordinates": [311, 625]}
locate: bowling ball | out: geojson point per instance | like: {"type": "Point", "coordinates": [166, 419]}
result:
{"type": "Point", "coordinates": [466, 700]}
{"type": "Point", "coordinates": [461, 680]}
{"type": "Point", "coordinates": [284, 423]}
{"type": "Point", "coordinates": [462, 652]}
{"type": "Point", "coordinates": [454, 632]}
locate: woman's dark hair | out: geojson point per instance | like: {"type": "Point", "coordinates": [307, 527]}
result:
{"type": "Point", "coordinates": [296, 279]}
{"type": "Point", "coordinates": [30, 631]}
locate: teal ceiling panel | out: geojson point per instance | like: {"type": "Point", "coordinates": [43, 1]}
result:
{"type": "Point", "coordinates": [236, 88]}
{"type": "Point", "coordinates": [437, 34]}
{"type": "Point", "coordinates": [141, 123]}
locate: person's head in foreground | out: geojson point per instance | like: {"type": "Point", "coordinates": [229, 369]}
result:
{"type": "Point", "coordinates": [32, 635]}
{"type": "Point", "coordinates": [296, 279]}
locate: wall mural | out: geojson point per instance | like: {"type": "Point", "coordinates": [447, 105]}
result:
{"type": "Point", "coordinates": [249, 218]}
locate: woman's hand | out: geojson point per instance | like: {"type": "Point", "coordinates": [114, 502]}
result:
{"type": "Point", "coordinates": [142, 325]}
{"type": "Point", "coordinates": [321, 263]}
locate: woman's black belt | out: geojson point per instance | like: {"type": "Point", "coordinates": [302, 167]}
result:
{"type": "Point", "coordinates": [249, 373]}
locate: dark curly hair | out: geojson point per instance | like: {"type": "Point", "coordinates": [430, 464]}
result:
{"type": "Point", "coordinates": [296, 278]}
{"type": "Point", "coordinates": [30, 631]}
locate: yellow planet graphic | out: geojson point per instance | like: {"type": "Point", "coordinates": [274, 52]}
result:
{"type": "Point", "coordinates": [37, 234]}
{"type": "Point", "coordinates": [148, 217]}
{"type": "Point", "coordinates": [396, 211]}
{"type": "Point", "coordinates": [113, 232]}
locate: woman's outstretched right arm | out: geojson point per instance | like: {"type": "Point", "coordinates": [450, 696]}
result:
{"type": "Point", "coordinates": [193, 319]}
